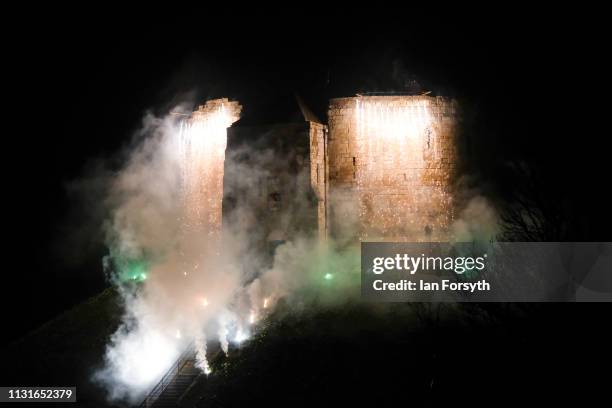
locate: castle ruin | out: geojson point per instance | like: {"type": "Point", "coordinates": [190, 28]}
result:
{"type": "Point", "coordinates": [381, 169]}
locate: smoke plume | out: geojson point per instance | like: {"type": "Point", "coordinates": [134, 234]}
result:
{"type": "Point", "coordinates": [184, 281]}
{"type": "Point", "coordinates": [181, 282]}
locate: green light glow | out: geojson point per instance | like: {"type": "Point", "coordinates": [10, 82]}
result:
{"type": "Point", "coordinates": [130, 269]}
{"type": "Point", "coordinates": [329, 276]}
{"type": "Point", "coordinates": [135, 270]}
{"type": "Point", "coordinates": [136, 275]}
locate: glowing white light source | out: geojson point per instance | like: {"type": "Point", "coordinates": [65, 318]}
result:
{"type": "Point", "coordinates": [388, 123]}
{"type": "Point", "coordinates": [223, 332]}
{"type": "Point", "coordinates": [141, 358]}
{"type": "Point", "coordinates": [265, 303]}
{"type": "Point", "coordinates": [201, 360]}
{"type": "Point", "coordinates": [240, 336]}
{"type": "Point", "coordinates": [252, 317]}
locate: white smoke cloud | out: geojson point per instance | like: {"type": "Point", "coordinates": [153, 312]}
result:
{"type": "Point", "coordinates": [196, 287]}
{"type": "Point", "coordinates": [178, 287]}
{"type": "Point", "coordinates": [478, 222]}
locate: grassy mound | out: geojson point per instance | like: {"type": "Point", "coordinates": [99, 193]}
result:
{"type": "Point", "coordinates": [66, 350]}
{"type": "Point", "coordinates": [407, 355]}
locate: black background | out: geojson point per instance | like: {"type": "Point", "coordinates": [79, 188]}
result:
{"type": "Point", "coordinates": [79, 82]}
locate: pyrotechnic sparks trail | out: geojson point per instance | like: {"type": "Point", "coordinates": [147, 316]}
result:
{"type": "Point", "coordinates": [381, 124]}
{"type": "Point", "coordinates": [396, 141]}
{"type": "Point", "coordinates": [202, 361]}
{"type": "Point", "coordinates": [202, 143]}
{"type": "Point", "coordinates": [192, 288]}
{"type": "Point", "coordinates": [223, 332]}
{"type": "Point", "coordinates": [166, 237]}
{"type": "Point", "coordinates": [241, 336]}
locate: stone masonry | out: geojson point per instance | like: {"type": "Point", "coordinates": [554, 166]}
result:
{"type": "Point", "coordinates": [390, 168]}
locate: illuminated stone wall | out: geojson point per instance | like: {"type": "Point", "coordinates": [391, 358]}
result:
{"type": "Point", "coordinates": [318, 173]}
{"type": "Point", "coordinates": [391, 164]}
{"type": "Point", "coordinates": [201, 145]}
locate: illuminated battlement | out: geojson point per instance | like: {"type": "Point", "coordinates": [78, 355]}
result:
{"type": "Point", "coordinates": [221, 111]}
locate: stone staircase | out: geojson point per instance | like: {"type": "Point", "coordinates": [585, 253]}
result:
{"type": "Point", "coordinates": [174, 383]}
{"type": "Point", "coordinates": [181, 381]}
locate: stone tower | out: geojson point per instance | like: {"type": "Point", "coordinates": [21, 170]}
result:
{"type": "Point", "coordinates": [389, 168]}
{"type": "Point", "coordinates": [201, 144]}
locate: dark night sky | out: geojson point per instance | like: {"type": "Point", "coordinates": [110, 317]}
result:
{"type": "Point", "coordinates": [81, 86]}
